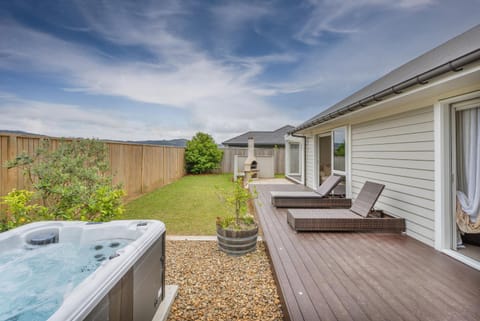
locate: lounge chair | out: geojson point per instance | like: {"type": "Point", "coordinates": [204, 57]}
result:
{"type": "Point", "coordinates": [359, 218]}
{"type": "Point", "coordinates": [319, 198]}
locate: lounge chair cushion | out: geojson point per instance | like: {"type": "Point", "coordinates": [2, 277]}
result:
{"type": "Point", "coordinates": [367, 198]}
{"type": "Point", "coordinates": [341, 220]}
{"type": "Point", "coordinates": [327, 187]}
{"type": "Point", "coordinates": [294, 194]}
{"type": "Point", "coordinates": [324, 213]}
{"type": "Point", "coordinates": [323, 190]}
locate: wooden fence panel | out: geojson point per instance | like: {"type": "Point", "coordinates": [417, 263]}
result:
{"type": "Point", "coordinates": [151, 165]}
{"type": "Point", "coordinates": [3, 171]}
{"type": "Point", "coordinates": [126, 166]}
{"type": "Point", "coordinates": [139, 168]}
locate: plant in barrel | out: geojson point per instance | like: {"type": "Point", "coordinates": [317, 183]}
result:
{"type": "Point", "coordinates": [237, 231]}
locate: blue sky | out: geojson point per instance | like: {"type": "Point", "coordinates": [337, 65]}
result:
{"type": "Point", "coordinates": [135, 70]}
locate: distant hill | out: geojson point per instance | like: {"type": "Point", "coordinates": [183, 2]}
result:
{"type": "Point", "coordinates": [172, 142]}
{"type": "Point", "coordinates": [18, 132]}
{"type": "Point", "coordinates": [180, 142]}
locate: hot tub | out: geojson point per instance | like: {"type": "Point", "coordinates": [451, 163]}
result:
{"type": "Point", "coordinates": [66, 271]}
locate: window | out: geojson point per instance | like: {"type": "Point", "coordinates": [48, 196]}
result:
{"type": "Point", "coordinates": [339, 151]}
{"type": "Point", "coordinates": [294, 151]}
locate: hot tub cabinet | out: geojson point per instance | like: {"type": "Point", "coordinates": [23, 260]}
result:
{"type": "Point", "coordinates": [137, 294]}
{"type": "Point", "coordinates": [128, 286]}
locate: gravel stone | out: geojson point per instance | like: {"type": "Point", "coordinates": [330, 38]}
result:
{"type": "Point", "coordinates": [215, 286]}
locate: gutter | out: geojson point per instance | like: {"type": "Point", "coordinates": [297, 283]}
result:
{"type": "Point", "coordinates": [304, 157]}
{"type": "Point", "coordinates": [421, 79]}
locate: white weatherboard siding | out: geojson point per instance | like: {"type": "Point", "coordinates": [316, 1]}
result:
{"type": "Point", "coordinates": [310, 162]}
{"type": "Point", "coordinates": [398, 151]}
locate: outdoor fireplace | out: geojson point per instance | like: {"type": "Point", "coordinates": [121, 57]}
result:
{"type": "Point", "coordinates": [250, 166]}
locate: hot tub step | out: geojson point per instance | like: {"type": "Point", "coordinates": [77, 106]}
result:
{"type": "Point", "coordinates": [164, 308]}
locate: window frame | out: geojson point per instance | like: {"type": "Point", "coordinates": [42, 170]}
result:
{"type": "Point", "coordinates": [336, 171]}
{"type": "Point", "coordinates": [289, 172]}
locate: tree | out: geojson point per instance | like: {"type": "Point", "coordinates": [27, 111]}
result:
{"type": "Point", "coordinates": [202, 154]}
{"type": "Point", "coordinates": [340, 150]}
{"type": "Point", "coordinates": [73, 181]}
{"type": "Point", "coordinates": [236, 203]}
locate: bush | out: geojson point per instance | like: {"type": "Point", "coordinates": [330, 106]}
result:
{"type": "Point", "coordinates": [340, 150]}
{"type": "Point", "coordinates": [236, 204]}
{"type": "Point", "coordinates": [20, 209]}
{"type": "Point", "coordinates": [202, 155]}
{"type": "Point", "coordinates": [73, 181]}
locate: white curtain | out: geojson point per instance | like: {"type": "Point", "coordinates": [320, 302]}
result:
{"type": "Point", "coordinates": [468, 161]}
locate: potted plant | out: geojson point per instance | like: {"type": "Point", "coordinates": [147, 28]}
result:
{"type": "Point", "coordinates": [237, 232]}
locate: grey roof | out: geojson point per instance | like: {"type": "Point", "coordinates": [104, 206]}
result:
{"type": "Point", "coordinates": [455, 48]}
{"type": "Point", "coordinates": [262, 138]}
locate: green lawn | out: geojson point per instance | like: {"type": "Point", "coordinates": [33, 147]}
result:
{"type": "Point", "coordinates": [187, 207]}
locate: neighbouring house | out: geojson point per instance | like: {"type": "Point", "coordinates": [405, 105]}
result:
{"type": "Point", "coordinates": [416, 130]}
{"type": "Point", "coordinates": [269, 151]}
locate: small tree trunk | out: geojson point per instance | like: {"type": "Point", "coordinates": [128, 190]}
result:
{"type": "Point", "coordinates": [237, 212]}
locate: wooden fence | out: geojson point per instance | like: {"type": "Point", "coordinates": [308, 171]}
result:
{"type": "Point", "coordinates": [139, 168]}
{"type": "Point", "coordinates": [229, 153]}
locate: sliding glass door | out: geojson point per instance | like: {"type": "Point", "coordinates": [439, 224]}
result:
{"type": "Point", "coordinates": [332, 157]}
{"type": "Point", "coordinates": [324, 157]}
{"type": "Point", "coordinates": [466, 167]}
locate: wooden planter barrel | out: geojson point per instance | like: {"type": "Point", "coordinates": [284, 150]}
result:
{"type": "Point", "coordinates": [235, 242]}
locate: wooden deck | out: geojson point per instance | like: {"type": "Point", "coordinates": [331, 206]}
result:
{"type": "Point", "coordinates": [363, 276]}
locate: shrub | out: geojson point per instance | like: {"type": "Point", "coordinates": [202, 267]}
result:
{"type": "Point", "coordinates": [340, 150]}
{"type": "Point", "coordinates": [202, 155]}
{"type": "Point", "coordinates": [236, 204]}
{"type": "Point", "coordinates": [19, 209]}
{"type": "Point", "coordinates": [73, 181]}
{"type": "Point", "coordinates": [105, 206]}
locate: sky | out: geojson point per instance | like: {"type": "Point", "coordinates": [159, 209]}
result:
{"type": "Point", "coordinates": [151, 70]}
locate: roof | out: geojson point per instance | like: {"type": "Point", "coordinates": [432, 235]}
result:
{"type": "Point", "coordinates": [262, 138]}
{"type": "Point", "coordinates": [455, 48]}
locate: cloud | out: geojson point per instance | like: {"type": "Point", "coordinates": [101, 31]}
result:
{"type": "Point", "coordinates": [235, 14]}
{"type": "Point", "coordinates": [179, 76]}
{"type": "Point", "coordinates": [385, 41]}
{"type": "Point", "coordinates": [66, 120]}
{"type": "Point", "coordinates": [316, 53]}
{"type": "Point", "coordinates": [344, 17]}
{"type": "Point", "coordinates": [237, 115]}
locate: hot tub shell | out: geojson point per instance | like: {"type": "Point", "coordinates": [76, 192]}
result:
{"type": "Point", "coordinates": [127, 287]}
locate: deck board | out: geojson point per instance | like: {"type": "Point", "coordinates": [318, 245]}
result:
{"type": "Point", "coordinates": [363, 276]}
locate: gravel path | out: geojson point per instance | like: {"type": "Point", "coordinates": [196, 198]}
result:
{"type": "Point", "coordinates": [214, 286]}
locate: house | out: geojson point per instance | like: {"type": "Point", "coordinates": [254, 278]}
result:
{"type": "Point", "coordinates": [265, 139]}
{"type": "Point", "coordinates": [269, 149]}
{"type": "Point", "coordinates": [416, 130]}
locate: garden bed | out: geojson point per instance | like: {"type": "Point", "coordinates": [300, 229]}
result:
{"type": "Point", "coordinates": [214, 286]}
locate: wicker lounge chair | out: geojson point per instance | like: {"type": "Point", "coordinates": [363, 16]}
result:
{"type": "Point", "coordinates": [359, 218]}
{"type": "Point", "coordinates": [312, 199]}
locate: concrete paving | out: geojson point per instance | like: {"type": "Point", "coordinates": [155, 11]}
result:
{"type": "Point", "coordinates": [196, 238]}
{"type": "Point", "coordinates": [191, 238]}
{"type": "Point", "coordinates": [270, 181]}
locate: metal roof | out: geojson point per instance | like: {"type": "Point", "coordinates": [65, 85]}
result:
{"type": "Point", "coordinates": [262, 138]}
{"type": "Point", "coordinates": [455, 48]}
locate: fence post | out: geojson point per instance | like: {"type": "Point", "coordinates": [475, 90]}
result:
{"type": "Point", "coordinates": [12, 173]}
{"type": "Point", "coordinates": [142, 171]}
{"type": "Point", "coordinates": [275, 159]}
